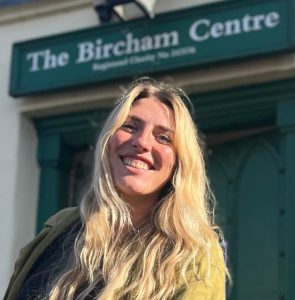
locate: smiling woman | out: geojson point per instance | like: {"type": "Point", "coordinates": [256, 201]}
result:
{"type": "Point", "coordinates": [142, 155]}
{"type": "Point", "coordinates": [144, 231]}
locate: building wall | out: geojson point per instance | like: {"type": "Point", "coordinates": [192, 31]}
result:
{"type": "Point", "coordinates": [19, 171]}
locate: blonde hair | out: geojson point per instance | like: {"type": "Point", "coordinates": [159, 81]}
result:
{"type": "Point", "coordinates": [147, 263]}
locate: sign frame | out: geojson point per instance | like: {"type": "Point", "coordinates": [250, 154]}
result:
{"type": "Point", "coordinates": [17, 88]}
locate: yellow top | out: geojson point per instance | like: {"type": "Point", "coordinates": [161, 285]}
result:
{"type": "Point", "coordinates": [213, 288]}
{"type": "Point", "coordinates": [197, 289]}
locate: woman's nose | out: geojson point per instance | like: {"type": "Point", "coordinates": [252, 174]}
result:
{"type": "Point", "coordinates": [142, 141]}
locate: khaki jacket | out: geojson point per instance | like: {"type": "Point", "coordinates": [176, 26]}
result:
{"type": "Point", "coordinates": [58, 223]}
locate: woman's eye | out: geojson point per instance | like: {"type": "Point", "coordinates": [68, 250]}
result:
{"type": "Point", "coordinates": [164, 139]}
{"type": "Point", "coordinates": [128, 127]}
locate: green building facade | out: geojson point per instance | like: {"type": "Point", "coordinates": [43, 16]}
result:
{"type": "Point", "coordinates": [248, 128]}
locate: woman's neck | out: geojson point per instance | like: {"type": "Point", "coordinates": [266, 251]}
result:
{"type": "Point", "coordinates": [140, 208]}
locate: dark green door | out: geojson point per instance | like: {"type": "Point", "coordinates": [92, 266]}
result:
{"type": "Point", "coordinates": [246, 177]}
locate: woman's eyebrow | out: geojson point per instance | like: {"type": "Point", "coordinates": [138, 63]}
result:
{"type": "Point", "coordinates": [135, 119]}
{"type": "Point", "coordinates": [166, 129]}
{"type": "Point", "coordinates": [141, 121]}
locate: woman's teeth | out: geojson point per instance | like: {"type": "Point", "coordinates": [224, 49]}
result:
{"type": "Point", "coordinates": [135, 164]}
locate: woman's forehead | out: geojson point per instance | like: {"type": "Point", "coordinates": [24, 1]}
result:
{"type": "Point", "coordinates": [153, 110]}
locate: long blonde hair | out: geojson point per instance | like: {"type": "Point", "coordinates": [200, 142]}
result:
{"type": "Point", "coordinates": [146, 263]}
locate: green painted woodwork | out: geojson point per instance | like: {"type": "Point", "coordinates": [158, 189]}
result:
{"type": "Point", "coordinates": [54, 159]}
{"type": "Point", "coordinates": [76, 130]}
{"type": "Point", "coordinates": [258, 230]}
{"type": "Point", "coordinates": [242, 107]}
{"type": "Point", "coordinates": [245, 177]}
{"type": "Point", "coordinates": [204, 34]}
{"type": "Point", "coordinates": [252, 176]}
{"type": "Point", "coordinates": [59, 138]}
{"type": "Point", "coordinates": [286, 122]}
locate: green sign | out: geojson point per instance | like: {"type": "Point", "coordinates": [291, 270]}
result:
{"type": "Point", "coordinates": [211, 33]}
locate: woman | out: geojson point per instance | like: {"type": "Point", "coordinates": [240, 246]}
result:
{"type": "Point", "coordinates": [144, 231]}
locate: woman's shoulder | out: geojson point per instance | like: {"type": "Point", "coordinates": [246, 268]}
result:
{"type": "Point", "coordinates": [56, 224]}
{"type": "Point", "coordinates": [53, 227]}
{"type": "Point", "coordinates": [64, 216]}
{"type": "Point", "coordinates": [203, 282]}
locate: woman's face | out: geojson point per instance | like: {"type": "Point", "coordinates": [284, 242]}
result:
{"type": "Point", "coordinates": [141, 152]}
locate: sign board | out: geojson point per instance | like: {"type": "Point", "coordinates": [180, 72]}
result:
{"type": "Point", "coordinates": [188, 38]}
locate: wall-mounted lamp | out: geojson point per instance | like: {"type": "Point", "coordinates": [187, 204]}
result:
{"type": "Point", "coordinates": [106, 9]}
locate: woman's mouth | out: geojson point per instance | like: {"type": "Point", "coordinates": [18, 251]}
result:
{"type": "Point", "coordinates": [135, 163]}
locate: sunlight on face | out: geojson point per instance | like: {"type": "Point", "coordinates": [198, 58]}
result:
{"type": "Point", "coordinates": [141, 152]}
